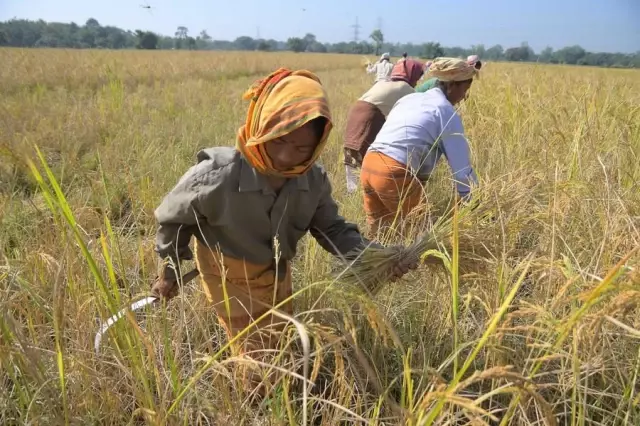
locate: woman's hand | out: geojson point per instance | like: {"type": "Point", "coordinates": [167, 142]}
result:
{"type": "Point", "coordinates": [401, 268]}
{"type": "Point", "coordinates": [165, 288]}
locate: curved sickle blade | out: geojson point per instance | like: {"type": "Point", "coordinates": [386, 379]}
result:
{"type": "Point", "coordinates": [133, 307]}
{"type": "Point", "coordinates": [108, 323]}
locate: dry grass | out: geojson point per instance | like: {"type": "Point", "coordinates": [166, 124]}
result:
{"type": "Point", "coordinates": [535, 320]}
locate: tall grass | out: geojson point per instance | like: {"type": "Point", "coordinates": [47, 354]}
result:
{"type": "Point", "coordinates": [530, 317]}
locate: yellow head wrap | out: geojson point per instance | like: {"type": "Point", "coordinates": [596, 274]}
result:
{"type": "Point", "coordinates": [451, 69]}
{"type": "Point", "coordinates": [283, 101]}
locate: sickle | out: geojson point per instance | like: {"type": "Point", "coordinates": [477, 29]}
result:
{"type": "Point", "coordinates": [139, 304]}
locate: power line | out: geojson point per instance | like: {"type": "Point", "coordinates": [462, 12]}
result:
{"type": "Point", "coordinates": [356, 31]}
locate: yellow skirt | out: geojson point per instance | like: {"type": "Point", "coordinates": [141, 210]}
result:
{"type": "Point", "coordinates": [241, 291]}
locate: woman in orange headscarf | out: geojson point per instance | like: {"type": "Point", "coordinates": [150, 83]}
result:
{"type": "Point", "coordinates": [368, 114]}
{"type": "Point", "coordinates": [248, 207]}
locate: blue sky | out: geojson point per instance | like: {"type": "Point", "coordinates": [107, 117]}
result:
{"type": "Point", "coordinates": [597, 25]}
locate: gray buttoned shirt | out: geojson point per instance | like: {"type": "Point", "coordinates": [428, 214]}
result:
{"type": "Point", "coordinates": [225, 202]}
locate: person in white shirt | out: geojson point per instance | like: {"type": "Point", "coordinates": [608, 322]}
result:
{"type": "Point", "coordinates": [420, 128]}
{"type": "Point", "coordinates": [367, 115]}
{"type": "Point", "coordinates": [382, 69]}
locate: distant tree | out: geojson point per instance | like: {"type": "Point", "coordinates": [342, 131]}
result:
{"type": "Point", "coordinates": [309, 40]}
{"type": "Point", "coordinates": [47, 41]}
{"type": "Point", "coordinates": [546, 55]}
{"type": "Point", "coordinates": [296, 44]}
{"type": "Point", "coordinates": [166, 43]}
{"type": "Point", "coordinates": [263, 46]}
{"type": "Point", "coordinates": [378, 40]}
{"type": "Point", "coordinates": [205, 36]}
{"type": "Point", "coordinates": [92, 23]}
{"type": "Point", "coordinates": [367, 48]}
{"type": "Point", "coordinates": [361, 48]}
{"type": "Point", "coordinates": [410, 48]}
{"type": "Point", "coordinates": [456, 52]}
{"type": "Point", "coordinates": [527, 51]}
{"type": "Point", "coordinates": [341, 47]}
{"type": "Point", "coordinates": [181, 37]}
{"type": "Point", "coordinates": [117, 40]}
{"type": "Point", "coordinates": [245, 43]}
{"type": "Point", "coordinates": [494, 53]}
{"type": "Point", "coordinates": [86, 38]}
{"type": "Point", "coordinates": [203, 40]}
{"type": "Point", "coordinates": [518, 54]}
{"type": "Point", "coordinates": [356, 48]}
{"type": "Point", "coordinates": [317, 47]}
{"type": "Point", "coordinates": [570, 55]}
{"type": "Point", "coordinates": [478, 49]}
{"type": "Point", "coordinates": [432, 50]}
{"type": "Point", "coordinates": [595, 59]}
{"type": "Point", "coordinates": [182, 32]}
{"type": "Point", "coordinates": [394, 49]}
{"type": "Point", "coordinates": [276, 45]}
{"type": "Point", "coordinates": [92, 35]}
{"type": "Point", "coordinates": [146, 40]}
{"type": "Point", "coordinates": [513, 54]}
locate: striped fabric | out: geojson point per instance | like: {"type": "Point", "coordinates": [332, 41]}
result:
{"type": "Point", "coordinates": [282, 102]}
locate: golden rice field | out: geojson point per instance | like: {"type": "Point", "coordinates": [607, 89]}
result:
{"type": "Point", "coordinates": [541, 326]}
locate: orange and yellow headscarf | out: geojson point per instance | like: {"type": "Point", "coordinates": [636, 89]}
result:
{"type": "Point", "coordinates": [283, 101]}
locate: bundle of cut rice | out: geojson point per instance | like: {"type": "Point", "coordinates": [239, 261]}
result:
{"type": "Point", "coordinates": [374, 266]}
{"type": "Point", "coordinates": [479, 236]}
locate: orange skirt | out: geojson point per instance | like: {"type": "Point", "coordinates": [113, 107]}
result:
{"type": "Point", "coordinates": [390, 190]}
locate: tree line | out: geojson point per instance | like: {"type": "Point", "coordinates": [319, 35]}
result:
{"type": "Point", "coordinates": [92, 35]}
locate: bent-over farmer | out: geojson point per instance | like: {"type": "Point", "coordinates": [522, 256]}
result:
{"type": "Point", "coordinates": [431, 83]}
{"type": "Point", "coordinates": [420, 129]}
{"type": "Point", "coordinates": [367, 115]}
{"type": "Point", "coordinates": [242, 203]}
{"type": "Point", "coordinates": [382, 69]}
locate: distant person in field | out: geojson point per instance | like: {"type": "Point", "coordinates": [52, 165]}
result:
{"type": "Point", "coordinates": [433, 82]}
{"type": "Point", "coordinates": [248, 206]}
{"type": "Point", "coordinates": [382, 69]}
{"type": "Point", "coordinates": [420, 128]}
{"type": "Point", "coordinates": [475, 61]}
{"type": "Point", "coordinates": [404, 57]}
{"type": "Point", "coordinates": [367, 115]}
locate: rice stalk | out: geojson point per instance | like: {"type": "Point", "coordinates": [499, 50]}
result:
{"type": "Point", "coordinates": [471, 227]}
